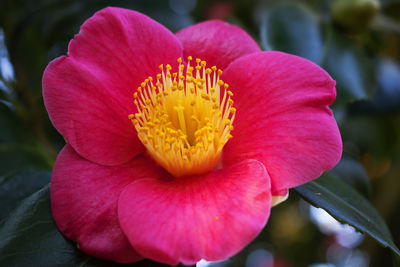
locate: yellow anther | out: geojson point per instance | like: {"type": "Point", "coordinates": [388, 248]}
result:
{"type": "Point", "coordinates": [189, 58]}
{"type": "Point", "coordinates": [135, 95]}
{"type": "Point", "coordinates": [198, 67]}
{"type": "Point", "coordinates": [203, 63]}
{"type": "Point", "coordinates": [195, 118]}
{"type": "Point", "coordinates": [226, 86]}
{"type": "Point", "coordinates": [130, 116]}
{"type": "Point", "coordinates": [230, 101]}
{"type": "Point", "coordinates": [208, 71]}
{"type": "Point", "coordinates": [214, 68]}
{"type": "Point", "coordinates": [161, 67]}
{"type": "Point", "coordinates": [219, 72]}
{"type": "Point", "coordinates": [168, 67]}
{"type": "Point", "coordinates": [198, 60]}
{"type": "Point", "coordinates": [220, 82]}
{"type": "Point", "coordinates": [158, 76]}
{"type": "Point", "coordinates": [205, 96]}
{"type": "Point", "coordinates": [233, 110]}
{"type": "Point", "coordinates": [179, 60]}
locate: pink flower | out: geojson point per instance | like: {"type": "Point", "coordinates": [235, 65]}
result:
{"type": "Point", "coordinates": [209, 194]}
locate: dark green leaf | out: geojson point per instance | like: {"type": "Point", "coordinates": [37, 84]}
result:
{"type": "Point", "coordinates": [348, 206]}
{"type": "Point", "coordinates": [12, 127]}
{"type": "Point", "coordinates": [353, 173]}
{"type": "Point", "coordinates": [387, 97]}
{"type": "Point", "coordinates": [349, 66]}
{"type": "Point", "coordinates": [292, 29]}
{"type": "Point", "coordinates": [18, 147]}
{"type": "Point", "coordinates": [18, 185]}
{"type": "Point", "coordinates": [15, 157]}
{"type": "Point", "coordinates": [29, 237]}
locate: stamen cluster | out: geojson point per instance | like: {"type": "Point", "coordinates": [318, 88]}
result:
{"type": "Point", "coordinates": [184, 118]}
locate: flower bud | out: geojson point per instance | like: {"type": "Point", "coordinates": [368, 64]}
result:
{"type": "Point", "coordinates": [354, 15]}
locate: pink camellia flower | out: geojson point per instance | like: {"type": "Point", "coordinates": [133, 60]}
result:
{"type": "Point", "coordinates": [178, 144]}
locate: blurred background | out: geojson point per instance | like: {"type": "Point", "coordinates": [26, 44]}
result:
{"type": "Point", "coordinates": [356, 41]}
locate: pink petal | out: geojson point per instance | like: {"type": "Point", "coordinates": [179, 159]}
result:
{"type": "Point", "coordinates": [89, 93]}
{"type": "Point", "coordinates": [283, 119]}
{"type": "Point", "coordinates": [216, 42]}
{"type": "Point", "coordinates": [201, 217]}
{"type": "Point", "coordinates": [84, 199]}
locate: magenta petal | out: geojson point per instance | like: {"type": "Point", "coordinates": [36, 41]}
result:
{"type": "Point", "coordinates": [283, 119]}
{"type": "Point", "coordinates": [216, 42]}
{"type": "Point", "coordinates": [207, 217]}
{"type": "Point", "coordinates": [84, 199]}
{"type": "Point", "coordinates": [88, 94]}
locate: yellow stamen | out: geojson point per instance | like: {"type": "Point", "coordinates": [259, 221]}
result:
{"type": "Point", "coordinates": [185, 120]}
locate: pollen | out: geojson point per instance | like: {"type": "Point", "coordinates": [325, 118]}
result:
{"type": "Point", "coordinates": [184, 118]}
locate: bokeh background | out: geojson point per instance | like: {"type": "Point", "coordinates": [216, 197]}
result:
{"type": "Point", "coordinates": [356, 41]}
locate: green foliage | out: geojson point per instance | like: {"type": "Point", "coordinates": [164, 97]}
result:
{"type": "Point", "coordinates": [348, 206]}
{"type": "Point", "coordinates": [18, 185]}
{"type": "Point", "coordinates": [293, 29]}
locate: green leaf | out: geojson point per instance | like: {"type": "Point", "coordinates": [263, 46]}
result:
{"type": "Point", "coordinates": [353, 173]}
{"type": "Point", "coordinates": [18, 185]}
{"type": "Point", "coordinates": [348, 64]}
{"type": "Point", "coordinates": [293, 29]}
{"type": "Point", "coordinates": [18, 147]}
{"type": "Point", "coordinates": [12, 127]}
{"type": "Point", "coordinates": [348, 206]}
{"type": "Point", "coordinates": [15, 157]}
{"type": "Point", "coordinates": [29, 237]}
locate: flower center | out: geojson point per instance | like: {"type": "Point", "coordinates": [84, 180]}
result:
{"type": "Point", "coordinates": [184, 120]}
